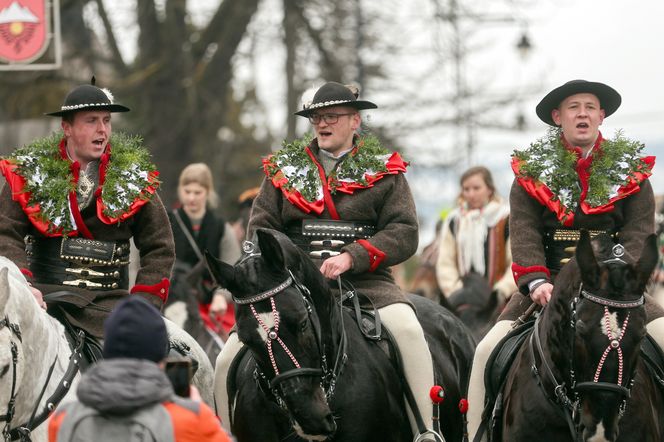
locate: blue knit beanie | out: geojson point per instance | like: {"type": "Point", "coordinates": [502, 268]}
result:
{"type": "Point", "coordinates": [135, 329]}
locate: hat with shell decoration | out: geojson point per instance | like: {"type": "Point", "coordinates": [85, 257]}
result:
{"type": "Point", "coordinates": [88, 97]}
{"type": "Point", "coordinates": [335, 94]}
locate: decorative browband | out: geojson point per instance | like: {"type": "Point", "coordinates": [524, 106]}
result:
{"type": "Point", "coordinates": [612, 302]}
{"type": "Point", "coordinates": [265, 295]}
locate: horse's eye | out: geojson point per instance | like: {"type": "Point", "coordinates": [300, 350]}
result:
{"type": "Point", "coordinates": [303, 325]}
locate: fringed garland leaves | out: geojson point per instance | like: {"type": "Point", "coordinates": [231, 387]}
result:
{"type": "Point", "coordinates": [297, 167]}
{"type": "Point", "coordinates": [369, 158]}
{"type": "Point", "coordinates": [49, 181]}
{"type": "Point", "coordinates": [549, 162]}
{"type": "Point", "coordinates": [129, 172]}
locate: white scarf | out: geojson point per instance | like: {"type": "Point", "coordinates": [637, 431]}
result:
{"type": "Point", "coordinates": [472, 229]}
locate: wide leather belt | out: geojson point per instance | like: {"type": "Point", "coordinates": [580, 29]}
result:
{"type": "Point", "coordinates": [560, 244]}
{"type": "Point", "coordinates": [323, 238]}
{"type": "Point", "coordinates": [79, 262]}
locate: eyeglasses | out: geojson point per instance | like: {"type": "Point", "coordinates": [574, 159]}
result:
{"type": "Point", "coordinates": [328, 118]}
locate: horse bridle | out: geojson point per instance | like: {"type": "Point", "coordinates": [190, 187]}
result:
{"type": "Point", "coordinates": [22, 432]}
{"type": "Point", "coordinates": [328, 376]}
{"type": "Point", "coordinates": [11, 405]}
{"type": "Point", "coordinates": [571, 407]}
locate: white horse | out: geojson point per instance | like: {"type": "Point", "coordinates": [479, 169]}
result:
{"type": "Point", "coordinates": [31, 342]}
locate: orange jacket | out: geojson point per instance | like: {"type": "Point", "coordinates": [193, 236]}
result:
{"type": "Point", "coordinates": [122, 388]}
{"type": "Point", "coordinates": [188, 425]}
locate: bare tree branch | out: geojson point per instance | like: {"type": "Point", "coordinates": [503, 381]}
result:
{"type": "Point", "coordinates": [117, 60]}
{"type": "Point", "coordinates": [149, 37]}
{"type": "Point", "coordinates": [330, 66]}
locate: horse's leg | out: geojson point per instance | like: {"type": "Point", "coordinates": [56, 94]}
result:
{"type": "Point", "coordinates": [203, 379]}
{"type": "Point", "coordinates": [476, 389]}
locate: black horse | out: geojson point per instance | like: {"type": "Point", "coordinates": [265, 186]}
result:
{"type": "Point", "coordinates": [581, 376]}
{"type": "Point", "coordinates": [310, 373]}
{"type": "Point", "coordinates": [475, 304]}
{"type": "Point", "coordinates": [182, 308]}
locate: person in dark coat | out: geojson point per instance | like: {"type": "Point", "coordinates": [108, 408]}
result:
{"type": "Point", "coordinates": [195, 229]}
{"type": "Point", "coordinates": [342, 178]}
{"type": "Point", "coordinates": [72, 202]}
{"type": "Point", "coordinates": [550, 201]}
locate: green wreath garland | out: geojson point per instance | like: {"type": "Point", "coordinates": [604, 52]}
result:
{"type": "Point", "coordinates": [49, 180]}
{"type": "Point", "coordinates": [302, 174]}
{"type": "Point", "coordinates": [549, 162]}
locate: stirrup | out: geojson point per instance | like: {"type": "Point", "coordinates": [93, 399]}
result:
{"type": "Point", "coordinates": [429, 436]}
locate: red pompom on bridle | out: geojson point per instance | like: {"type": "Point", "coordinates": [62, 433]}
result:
{"type": "Point", "coordinates": [463, 406]}
{"type": "Point", "coordinates": [437, 394]}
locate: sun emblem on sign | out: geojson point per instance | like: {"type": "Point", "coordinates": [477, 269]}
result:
{"type": "Point", "coordinates": [22, 29]}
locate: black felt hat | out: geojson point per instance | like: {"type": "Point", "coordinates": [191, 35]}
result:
{"type": "Point", "coordinates": [334, 94]}
{"type": "Point", "coordinates": [609, 98]}
{"type": "Point", "coordinates": [88, 97]}
{"type": "Point", "coordinates": [136, 330]}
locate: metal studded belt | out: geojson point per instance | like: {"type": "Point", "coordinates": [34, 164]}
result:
{"type": "Point", "coordinates": [323, 238]}
{"type": "Point", "coordinates": [560, 244]}
{"type": "Point", "coordinates": [79, 262]}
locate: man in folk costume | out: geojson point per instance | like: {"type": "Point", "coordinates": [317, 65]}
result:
{"type": "Point", "coordinates": [571, 179]}
{"type": "Point", "coordinates": [72, 202]}
{"type": "Point", "coordinates": [342, 177]}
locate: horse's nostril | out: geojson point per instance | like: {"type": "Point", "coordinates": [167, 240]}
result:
{"type": "Point", "coordinates": [330, 423]}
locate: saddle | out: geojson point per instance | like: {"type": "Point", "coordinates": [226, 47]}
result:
{"type": "Point", "coordinates": [92, 348]}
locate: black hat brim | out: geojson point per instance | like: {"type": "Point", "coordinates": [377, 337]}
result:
{"type": "Point", "coordinates": [608, 97]}
{"type": "Point", "coordinates": [357, 104]}
{"type": "Point", "coordinates": [105, 107]}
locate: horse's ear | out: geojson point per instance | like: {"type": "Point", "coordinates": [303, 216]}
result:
{"type": "Point", "coordinates": [271, 249]}
{"type": "Point", "coordinates": [585, 258]}
{"type": "Point", "coordinates": [648, 259]}
{"type": "Point", "coordinates": [223, 274]}
{"type": "Point", "coordinates": [4, 288]}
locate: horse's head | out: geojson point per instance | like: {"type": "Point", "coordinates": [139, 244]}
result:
{"type": "Point", "coordinates": [282, 315]}
{"type": "Point", "coordinates": [609, 323]}
{"type": "Point", "coordinates": [475, 304]}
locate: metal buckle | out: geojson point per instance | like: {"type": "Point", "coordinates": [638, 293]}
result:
{"type": "Point", "coordinates": [324, 253]}
{"type": "Point", "coordinates": [86, 272]}
{"type": "Point", "coordinates": [328, 243]}
{"type": "Point", "coordinates": [83, 283]}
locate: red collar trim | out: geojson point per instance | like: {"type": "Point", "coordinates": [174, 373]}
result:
{"type": "Point", "coordinates": [327, 197]}
{"type": "Point", "coordinates": [544, 195]}
{"type": "Point", "coordinates": [17, 183]}
{"type": "Point", "coordinates": [395, 165]}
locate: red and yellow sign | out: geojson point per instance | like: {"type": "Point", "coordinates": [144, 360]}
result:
{"type": "Point", "coordinates": [23, 30]}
